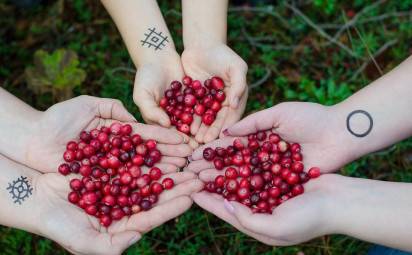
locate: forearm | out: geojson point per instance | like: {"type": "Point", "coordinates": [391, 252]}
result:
{"type": "Point", "coordinates": [16, 122]}
{"type": "Point", "coordinates": [388, 103]}
{"type": "Point", "coordinates": [376, 211]}
{"type": "Point", "coordinates": [204, 22]}
{"type": "Point", "coordinates": [138, 22]}
{"type": "Point", "coordinates": [18, 206]}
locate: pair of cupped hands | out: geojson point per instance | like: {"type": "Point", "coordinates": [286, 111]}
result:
{"type": "Point", "coordinates": [297, 220]}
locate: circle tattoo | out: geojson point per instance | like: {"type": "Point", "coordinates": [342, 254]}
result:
{"type": "Point", "coordinates": [20, 189]}
{"type": "Point", "coordinates": [361, 112]}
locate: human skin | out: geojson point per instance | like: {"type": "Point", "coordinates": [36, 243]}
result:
{"type": "Point", "coordinates": [38, 139]}
{"type": "Point", "coordinates": [331, 137]}
{"type": "Point", "coordinates": [47, 212]}
{"type": "Point", "coordinates": [206, 54]}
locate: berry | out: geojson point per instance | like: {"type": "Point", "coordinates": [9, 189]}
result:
{"type": "Point", "coordinates": [314, 172]}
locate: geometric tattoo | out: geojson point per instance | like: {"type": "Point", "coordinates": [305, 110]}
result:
{"type": "Point", "coordinates": [20, 189]}
{"type": "Point", "coordinates": [155, 39]}
{"type": "Point", "coordinates": [361, 112]}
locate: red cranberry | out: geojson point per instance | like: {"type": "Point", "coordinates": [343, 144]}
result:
{"type": "Point", "coordinates": [73, 197]}
{"type": "Point", "coordinates": [69, 156]}
{"type": "Point", "coordinates": [85, 170]}
{"type": "Point", "coordinates": [243, 193]}
{"type": "Point", "coordinates": [64, 169]}
{"type": "Point", "coordinates": [116, 213]}
{"type": "Point", "coordinates": [231, 173]}
{"type": "Point", "coordinates": [297, 190]}
{"type": "Point", "coordinates": [218, 163]}
{"type": "Point", "coordinates": [209, 154]}
{"type": "Point", "coordinates": [208, 119]}
{"type": "Point", "coordinates": [314, 172]}
{"type": "Point", "coordinates": [245, 171]}
{"type": "Point", "coordinates": [145, 205]}
{"type": "Point", "coordinates": [256, 182]}
{"type": "Point", "coordinates": [232, 185]}
{"type": "Point", "coordinates": [217, 83]}
{"type": "Point", "coordinates": [199, 109]}
{"type": "Point", "coordinates": [90, 198]}
{"type": "Point", "coordinates": [109, 200]}
{"type": "Point", "coordinates": [187, 80]}
{"type": "Point", "coordinates": [105, 220]}
{"type": "Point", "coordinates": [274, 192]}
{"type": "Point", "coordinates": [156, 188]}
{"type": "Point", "coordinates": [168, 183]}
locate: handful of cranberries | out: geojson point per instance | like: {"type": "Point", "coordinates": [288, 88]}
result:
{"type": "Point", "coordinates": [109, 162]}
{"type": "Point", "coordinates": [262, 174]}
{"type": "Point", "coordinates": [203, 100]}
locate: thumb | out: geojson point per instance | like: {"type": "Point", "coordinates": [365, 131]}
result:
{"type": "Point", "coordinates": [108, 108]}
{"type": "Point", "coordinates": [151, 111]}
{"type": "Point", "coordinates": [238, 85]}
{"type": "Point", "coordinates": [125, 239]}
{"type": "Point", "coordinates": [253, 222]}
{"type": "Point", "coordinates": [262, 120]}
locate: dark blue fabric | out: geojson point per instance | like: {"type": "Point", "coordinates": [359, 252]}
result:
{"type": "Point", "coordinates": [382, 250]}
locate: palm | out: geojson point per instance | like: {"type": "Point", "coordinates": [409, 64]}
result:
{"type": "Point", "coordinates": [297, 220]}
{"type": "Point", "coordinates": [150, 83]}
{"type": "Point", "coordinates": [76, 231]}
{"type": "Point", "coordinates": [218, 61]}
{"type": "Point", "coordinates": [310, 125]}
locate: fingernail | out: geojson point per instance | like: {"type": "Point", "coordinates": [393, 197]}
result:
{"type": "Point", "coordinates": [133, 240]}
{"type": "Point", "coordinates": [185, 139]}
{"type": "Point", "coordinates": [226, 132]}
{"type": "Point", "coordinates": [229, 207]}
{"type": "Point", "coordinates": [235, 102]}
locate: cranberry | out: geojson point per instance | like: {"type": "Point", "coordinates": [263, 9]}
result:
{"type": "Point", "coordinates": [231, 173]}
{"type": "Point", "coordinates": [187, 80]}
{"type": "Point", "coordinates": [208, 119]}
{"type": "Point", "coordinates": [85, 170]}
{"type": "Point", "coordinates": [105, 220]}
{"type": "Point", "coordinates": [217, 83]}
{"type": "Point", "coordinates": [116, 213]}
{"type": "Point", "coordinates": [73, 197]}
{"type": "Point", "coordinates": [256, 182]}
{"type": "Point", "coordinates": [232, 185]}
{"type": "Point", "coordinates": [218, 163]}
{"type": "Point", "coordinates": [90, 198]}
{"type": "Point", "coordinates": [209, 154]}
{"type": "Point", "coordinates": [314, 172]}
{"type": "Point", "coordinates": [156, 188]}
{"type": "Point", "coordinates": [69, 156]}
{"type": "Point", "coordinates": [64, 169]}
{"type": "Point", "coordinates": [168, 183]}
{"type": "Point", "coordinates": [245, 171]}
{"type": "Point", "coordinates": [145, 205]}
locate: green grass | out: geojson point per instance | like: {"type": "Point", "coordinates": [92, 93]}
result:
{"type": "Point", "coordinates": [294, 56]}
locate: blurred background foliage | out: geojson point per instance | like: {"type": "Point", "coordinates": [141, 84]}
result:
{"type": "Point", "coordinates": [319, 51]}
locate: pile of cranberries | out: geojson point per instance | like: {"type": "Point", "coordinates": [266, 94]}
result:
{"type": "Point", "coordinates": [182, 101]}
{"type": "Point", "coordinates": [262, 174]}
{"type": "Point", "coordinates": [110, 183]}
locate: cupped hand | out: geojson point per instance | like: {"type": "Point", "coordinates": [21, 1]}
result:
{"type": "Point", "coordinates": [81, 233]}
{"type": "Point", "coordinates": [152, 79]}
{"type": "Point", "coordinates": [64, 122]}
{"type": "Point", "coordinates": [221, 61]}
{"type": "Point", "coordinates": [295, 221]}
{"type": "Point", "coordinates": [312, 125]}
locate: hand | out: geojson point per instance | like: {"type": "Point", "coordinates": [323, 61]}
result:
{"type": "Point", "coordinates": [64, 121]}
{"type": "Point", "coordinates": [80, 233]}
{"type": "Point", "coordinates": [152, 79]}
{"type": "Point", "coordinates": [221, 61]}
{"type": "Point", "coordinates": [295, 221]}
{"type": "Point", "coordinates": [314, 126]}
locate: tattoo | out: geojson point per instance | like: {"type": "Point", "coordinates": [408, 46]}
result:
{"type": "Point", "coordinates": [20, 189]}
{"type": "Point", "coordinates": [155, 39]}
{"type": "Point", "coordinates": [361, 112]}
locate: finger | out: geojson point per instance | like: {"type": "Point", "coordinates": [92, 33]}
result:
{"type": "Point", "coordinates": [222, 142]}
{"type": "Point", "coordinates": [179, 177]}
{"type": "Point", "coordinates": [214, 130]}
{"type": "Point", "coordinates": [108, 108]}
{"type": "Point", "coordinates": [214, 204]}
{"type": "Point", "coordinates": [256, 222]}
{"type": "Point", "coordinates": [180, 150]}
{"type": "Point", "coordinates": [149, 108]}
{"type": "Point", "coordinates": [238, 84]}
{"type": "Point", "coordinates": [160, 134]}
{"type": "Point", "coordinates": [194, 127]}
{"type": "Point", "coordinates": [104, 243]}
{"type": "Point", "coordinates": [198, 166]}
{"type": "Point", "coordinates": [179, 162]}
{"type": "Point", "coordinates": [166, 168]}
{"type": "Point", "coordinates": [184, 189]}
{"type": "Point", "coordinates": [201, 133]}
{"type": "Point", "coordinates": [234, 115]}
{"type": "Point", "coordinates": [209, 175]}
{"type": "Point", "coordinates": [262, 120]}
{"type": "Point", "coordinates": [145, 221]}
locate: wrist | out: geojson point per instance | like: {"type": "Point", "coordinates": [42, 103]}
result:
{"type": "Point", "coordinates": [166, 57]}
{"type": "Point", "coordinates": [203, 43]}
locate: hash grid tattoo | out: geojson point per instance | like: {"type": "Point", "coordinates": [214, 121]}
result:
{"type": "Point", "coordinates": [154, 39]}
{"type": "Point", "coordinates": [20, 189]}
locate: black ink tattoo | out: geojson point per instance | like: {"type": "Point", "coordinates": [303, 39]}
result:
{"type": "Point", "coordinates": [20, 189]}
{"type": "Point", "coordinates": [154, 39]}
{"type": "Point", "coordinates": [362, 112]}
